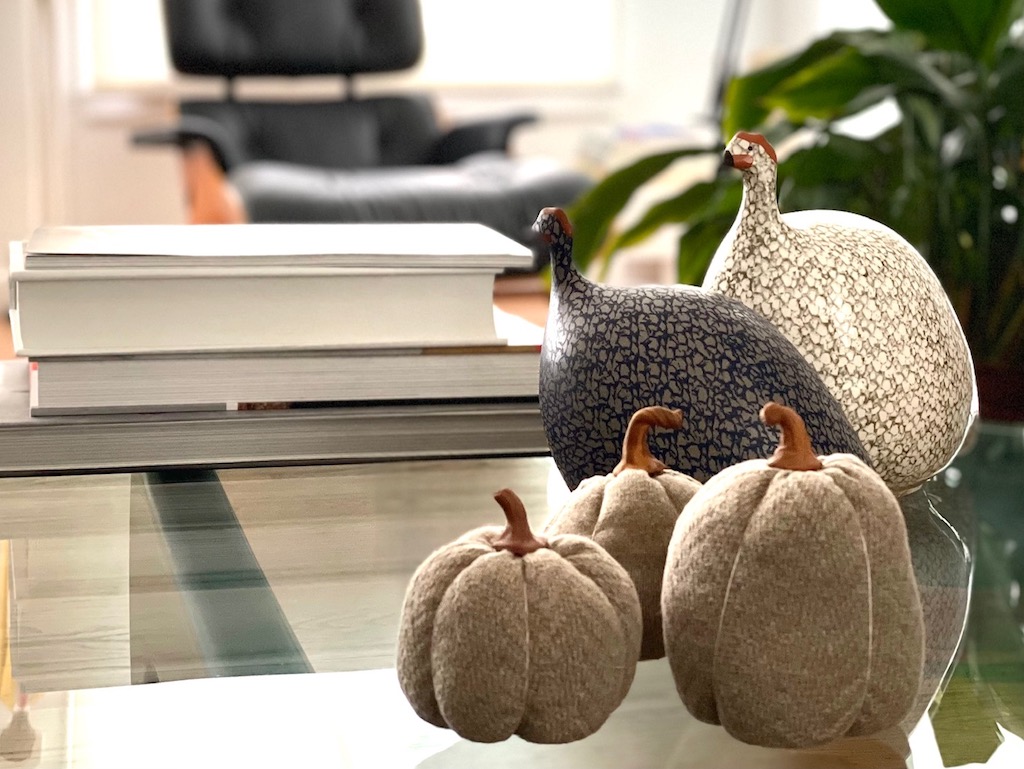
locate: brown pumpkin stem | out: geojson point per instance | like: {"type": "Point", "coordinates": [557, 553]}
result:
{"type": "Point", "coordinates": [794, 451]}
{"type": "Point", "coordinates": [517, 536]}
{"type": "Point", "coordinates": [636, 452]}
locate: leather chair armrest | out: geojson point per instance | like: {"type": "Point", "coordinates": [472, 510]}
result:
{"type": "Point", "coordinates": [191, 129]}
{"type": "Point", "coordinates": [490, 134]}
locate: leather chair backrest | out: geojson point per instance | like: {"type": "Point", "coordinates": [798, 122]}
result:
{"type": "Point", "coordinates": [293, 37]}
{"type": "Point", "coordinates": [364, 133]}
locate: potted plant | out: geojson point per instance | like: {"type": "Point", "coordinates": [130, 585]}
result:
{"type": "Point", "coordinates": [947, 174]}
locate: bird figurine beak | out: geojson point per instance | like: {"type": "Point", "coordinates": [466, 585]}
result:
{"type": "Point", "coordinates": [741, 162]}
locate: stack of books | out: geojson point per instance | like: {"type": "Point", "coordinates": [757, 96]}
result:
{"type": "Point", "coordinates": [159, 319]}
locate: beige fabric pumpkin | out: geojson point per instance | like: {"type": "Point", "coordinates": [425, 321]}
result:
{"type": "Point", "coordinates": [506, 633]}
{"type": "Point", "coordinates": [791, 612]}
{"type": "Point", "coordinates": [631, 513]}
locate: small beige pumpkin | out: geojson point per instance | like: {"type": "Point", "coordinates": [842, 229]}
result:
{"type": "Point", "coordinates": [791, 612]}
{"type": "Point", "coordinates": [504, 633]}
{"type": "Point", "coordinates": [631, 513]}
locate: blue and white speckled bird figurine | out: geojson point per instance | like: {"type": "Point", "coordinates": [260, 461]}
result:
{"type": "Point", "coordinates": [609, 352]}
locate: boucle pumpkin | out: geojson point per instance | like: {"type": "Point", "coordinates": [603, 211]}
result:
{"type": "Point", "coordinates": [864, 308]}
{"type": "Point", "coordinates": [790, 607]}
{"type": "Point", "coordinates": [631, 513]}
{"type": "Point", "coordinates": [504, 633]}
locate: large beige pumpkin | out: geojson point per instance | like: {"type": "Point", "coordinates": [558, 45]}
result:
{"type": "Point", "coordinates": [790, 608]}
{"type": "Point", "coordinates": [631, 512]}
{"type": "Point", "coordinates": [506, 633]}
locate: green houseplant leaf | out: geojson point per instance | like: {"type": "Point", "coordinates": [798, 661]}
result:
{"type": "Point", "coordinates": [1007, 94]}
{"type": "Point", "coordinates": [849, 72]}
{"type": "Point", "coordinates": [744, 101]}
{"type": "Point", "coordinates": [698, 244]}
{"type": "Point", "coordinates": [722, 196]}
{"type": "Point", "coordinates": [841, 84]}
{"type": "Point", "coordinates": [594, 214]}
{"type": "Point", "coordinates": [972, 27]}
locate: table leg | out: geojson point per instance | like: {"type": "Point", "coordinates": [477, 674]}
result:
{"type": "Point", "coordinates": [239, 626]}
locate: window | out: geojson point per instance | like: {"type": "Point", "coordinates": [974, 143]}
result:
{"type": "Point", "coordinates": [529, 42]}
{"type": "Point", "coordinates": [121, 44]}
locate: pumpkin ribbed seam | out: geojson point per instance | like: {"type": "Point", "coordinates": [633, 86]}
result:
{"type": "Point", "coordinates": [867, 560]}
{"type": "Point", "coordinates": [529, 656]}
{"type": "Point", "coordinates": [871, 619]}
{"type": "Point", "coordinates": [622, 623]}
{"type": "Point", "coordinates": [433, 619]}
{"type": "Point", "coordinates": [529, 666]}
{"type": "Point", "coordinates": [664, 492]}
{"type": "Point", "coordinates": [604, 595]}
{"type": "Point", "coordinates": [728, 588]}
{"type": "Point", "coordinates": [663, 498]}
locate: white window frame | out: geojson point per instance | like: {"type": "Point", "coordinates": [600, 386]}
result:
{"type": "Point", "coordinates": [548, 44]}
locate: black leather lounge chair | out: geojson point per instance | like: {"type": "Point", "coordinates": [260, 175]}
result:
{"type": "Point", "coordinates": [379, 158]}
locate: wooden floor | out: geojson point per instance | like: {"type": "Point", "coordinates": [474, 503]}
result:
{"type": "Point", "coordinates": [523, 295]}
{"type": "Point", "coordinates": [6, 346]}
{"type": "Point", "coordinates": [531, 307]}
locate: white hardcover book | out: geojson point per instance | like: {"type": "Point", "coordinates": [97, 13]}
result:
{"type": "Point", "coordinates": [123, 442]}
{"type": "Point", "coordinates": [403, 246]}
{"type": "Point", "coordinates": [110, 311]}
{"type": "Point", "coordinates": [155, 383]}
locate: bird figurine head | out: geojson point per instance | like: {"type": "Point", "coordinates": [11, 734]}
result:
{"type": "Point", "coordinates": [555, 230]}
{"type": "Point", "coordinates": [750, 153]}
{"type": "Point", "coordinates": [553, 225]}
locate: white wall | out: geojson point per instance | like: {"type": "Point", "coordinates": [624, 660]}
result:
{"type": "Point", "coordinates": [65, 157]}
{"type": "Point", "coordinates": [20, 170]}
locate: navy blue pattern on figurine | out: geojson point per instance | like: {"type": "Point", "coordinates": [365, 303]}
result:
{"type": "Point", "coordinates": [610, 351]}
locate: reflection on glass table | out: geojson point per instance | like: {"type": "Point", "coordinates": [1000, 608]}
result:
{"type": "Point", "coordinates": [248, 618]}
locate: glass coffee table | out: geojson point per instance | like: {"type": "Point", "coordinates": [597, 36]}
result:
{"type": "Point", "coordinates": [193, 617]}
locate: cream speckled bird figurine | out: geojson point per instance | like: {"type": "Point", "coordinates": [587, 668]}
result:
{"type": "Point", "coordinates": [864, 308]}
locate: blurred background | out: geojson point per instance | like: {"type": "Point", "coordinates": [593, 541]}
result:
{"type": "Point", "coordinates": [610, 80]}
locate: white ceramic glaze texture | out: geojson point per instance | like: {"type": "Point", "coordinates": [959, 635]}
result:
{"type": "Point", "coordinates": [864, 308]}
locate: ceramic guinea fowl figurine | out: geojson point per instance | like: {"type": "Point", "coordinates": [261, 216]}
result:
{"type": "Point", "coordinates": [864, 308]}
{"type": "Point", "coordinates": [609, 352]}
